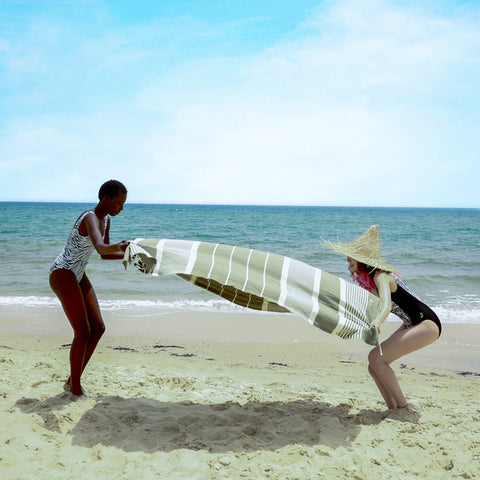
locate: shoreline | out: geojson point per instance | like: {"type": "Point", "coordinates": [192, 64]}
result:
{"type": "Point", "coordinates": [457, 349]}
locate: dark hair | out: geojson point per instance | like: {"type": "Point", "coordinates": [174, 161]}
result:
{"type": "Point", "coordinates": [367, 268]}
{"type": "Point", "coordinates": [111, 188]}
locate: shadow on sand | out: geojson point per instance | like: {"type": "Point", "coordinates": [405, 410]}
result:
{"type": "Point", "coordinates": [148, 425]}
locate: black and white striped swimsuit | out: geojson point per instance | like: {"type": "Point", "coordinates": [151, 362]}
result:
{"type": "Point", "coordinates": [77, 250]}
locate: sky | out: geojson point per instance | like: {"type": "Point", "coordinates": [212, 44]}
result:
{"type": "Point", "coordinates": [339, 102]}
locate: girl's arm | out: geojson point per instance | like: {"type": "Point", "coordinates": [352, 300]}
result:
{"type": "Point", "coordinates": [106, 235]}
{"type": "Point", "coordinates": [384, 286]}
{"type": "Point", "coordinates": [101, 242]}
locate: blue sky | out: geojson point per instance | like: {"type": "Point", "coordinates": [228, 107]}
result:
{"type": "Point", "coordinates": [341, 102]}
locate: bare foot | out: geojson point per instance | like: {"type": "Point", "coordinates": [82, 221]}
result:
{"type": "Point", "coordinates": [407, 413]}
{"type": "Point", "coordinates": [78, 393]}
{"type": "Point", "coordinates": [75, 398]}
{"type": "Point", "coordinates": [67, 386]}
{"type": "Point", "coordinates": [407, 408]}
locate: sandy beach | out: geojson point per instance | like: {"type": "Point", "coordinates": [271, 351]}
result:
{"type": "Point", "coordinates": [231, 396]}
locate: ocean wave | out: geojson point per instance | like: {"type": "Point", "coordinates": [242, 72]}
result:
{"type": "Point", "coordinates": [157, 306]}
{"type": "Point", "coordinates": [458, 315]}
{"type": "Point", "coordinates": [29, 301]}
{"type": "Point", "coordinates": [160, 306]}
{"type": "Point", "coordinates": [463, 309]}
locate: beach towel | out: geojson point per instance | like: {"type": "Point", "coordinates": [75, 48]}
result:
{"type": "Point", "coordinates": [263, 281]}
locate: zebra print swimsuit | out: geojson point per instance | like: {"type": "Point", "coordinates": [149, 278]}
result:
{"type": "Point", "coordinates": [77, 250]}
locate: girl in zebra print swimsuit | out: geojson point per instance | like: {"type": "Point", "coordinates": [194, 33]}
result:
{"type": "Point", "coordinates": [72, 286]}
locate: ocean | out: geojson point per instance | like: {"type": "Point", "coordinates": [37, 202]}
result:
{"type": "Point", "coordinates": [436, 251]}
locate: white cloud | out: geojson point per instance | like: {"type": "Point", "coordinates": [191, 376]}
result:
{"type": "Point", "coordinates": [350, 107]}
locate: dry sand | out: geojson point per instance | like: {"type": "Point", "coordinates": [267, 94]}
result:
{"type": "Point", "coordinates": [227, 396]}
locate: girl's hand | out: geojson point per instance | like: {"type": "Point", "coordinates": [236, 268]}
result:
{"type": "Point", "coordinates": [377, 324]}
{"type": "Point", "coordinates": [123, 245]}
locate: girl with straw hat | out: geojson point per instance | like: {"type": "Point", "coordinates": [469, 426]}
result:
{"type": "Point", "coordinates": [420, 327]}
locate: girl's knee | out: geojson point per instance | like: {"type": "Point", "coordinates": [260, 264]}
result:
{"type": "Point", "coordinates": [372, 357]}
{"type": "Point", "coordinates": [82, 333]}
{"type": "Point", "coordinates": [375, 360]}
{"type": "Point", "coordinates": [99, 330]}
{"type": "Point", "coordinates": [96, 324]}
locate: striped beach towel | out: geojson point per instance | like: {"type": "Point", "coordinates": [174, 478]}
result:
{"type": "Point", "coordinates": [263, 281]}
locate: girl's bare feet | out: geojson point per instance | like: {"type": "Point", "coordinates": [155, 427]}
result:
{"type": "Point", "coordinates": [67, 386]}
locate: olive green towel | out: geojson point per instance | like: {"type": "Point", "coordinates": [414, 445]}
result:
{"type": "Point", "coordinates": [263, 281]}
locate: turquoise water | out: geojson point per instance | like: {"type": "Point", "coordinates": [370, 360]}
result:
{"type": "Point", "coordinates": [436, 250]}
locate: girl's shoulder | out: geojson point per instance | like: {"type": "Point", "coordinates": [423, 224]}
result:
{"type": "Point", "coordinates": [82, 216]}
{"type": "Point", "coordinates": [385, 277]}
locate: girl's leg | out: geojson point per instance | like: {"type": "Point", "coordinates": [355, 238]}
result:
{"type": "Point", "coordinates": [400, 343]}
{"type": "Point", "coordinates": [95, 321]}
{"type": "Point", "coordinates": [67, 289]}
{"type": "Point", "coordinates": [387, 396]}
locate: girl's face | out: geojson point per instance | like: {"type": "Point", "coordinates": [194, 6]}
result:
{"type": "Point", "coordinates": [352, 265]}
{"type": "Point", "coordinates": [115, 204]}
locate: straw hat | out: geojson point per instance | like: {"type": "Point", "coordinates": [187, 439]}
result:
{"type": "Point", "coordinates": [365, 249]}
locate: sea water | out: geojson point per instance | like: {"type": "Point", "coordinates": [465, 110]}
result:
{"type": "Point", "coordinates": [437, 251]}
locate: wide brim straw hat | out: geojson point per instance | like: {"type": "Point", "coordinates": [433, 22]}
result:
{"type": "Point", "coordinates": [365, 249]}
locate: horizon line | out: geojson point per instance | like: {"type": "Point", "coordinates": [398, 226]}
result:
{"type": "Point", "coordinates": [250, 205]}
